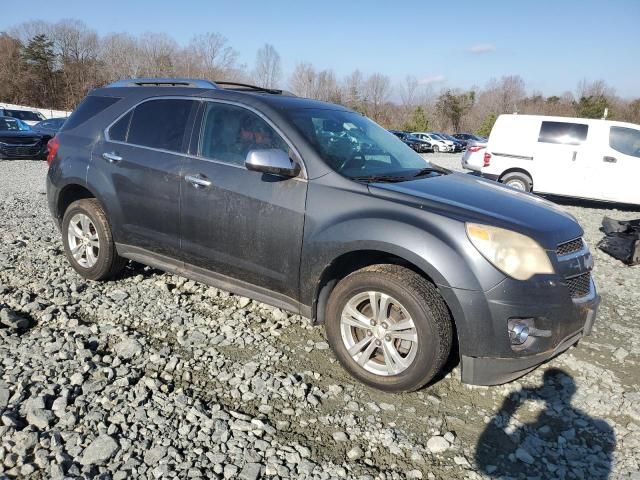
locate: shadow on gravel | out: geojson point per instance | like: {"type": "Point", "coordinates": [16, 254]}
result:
{"type": "Point", "coordinates": [562, 440]}
{"type": "Point", "coordinates": [133, 269]}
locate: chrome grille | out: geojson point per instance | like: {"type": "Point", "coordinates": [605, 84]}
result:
{"type": "Point", "coordinates": [579, 286]}
{"type": "Point", "coordinates": [567, 248]}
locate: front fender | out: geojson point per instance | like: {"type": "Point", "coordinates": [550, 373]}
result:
{"type": "Point", "coordinates": [339, 222]}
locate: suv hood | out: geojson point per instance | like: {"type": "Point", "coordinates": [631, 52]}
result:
{"type": "Point", "coordinates": [469, 198]}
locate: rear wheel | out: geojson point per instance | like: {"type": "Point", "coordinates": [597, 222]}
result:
{"type": "Point", "coordinates": [518, 180]}
{"type": "Point", "coordinates": [88, 243]}
{"type": "Point", "coordinates": [389, 327]}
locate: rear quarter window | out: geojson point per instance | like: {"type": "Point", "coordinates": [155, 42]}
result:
{"type": "Point", "coordinates": [563, 133]}
{"type": "Point", "coordinates": [88, 108]}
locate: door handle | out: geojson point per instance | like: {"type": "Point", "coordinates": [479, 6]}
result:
{"type": "Point", "coordinates": [197, 181]}
{"type": "Point", "coordinates": [111, 157]}
{"type": "Point", "coordinates": [608, 159]}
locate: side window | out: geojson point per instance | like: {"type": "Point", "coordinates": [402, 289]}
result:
{"type": "Point", "coordinates": [563, 133]}
{"type": "Point", "coordinates": [118, 131]}
{"type": "Point", "coordinates": [229, 132]}
{"type": "Point", "coordinates": [625, 140]}
{"type": "Point", "coordinates": [160, 124]}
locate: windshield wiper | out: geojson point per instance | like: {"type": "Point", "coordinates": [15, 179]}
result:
{"type": "Point", "coordinates": [381, 178]}
{"type": "Point", "coordinates": [426, 171]}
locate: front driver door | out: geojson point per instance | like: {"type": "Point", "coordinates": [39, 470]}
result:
{"type": "Point", "coordinates": [237, 224]}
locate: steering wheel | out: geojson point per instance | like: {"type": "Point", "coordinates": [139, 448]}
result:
{"type": "Point", "coordinates": [356, 156]}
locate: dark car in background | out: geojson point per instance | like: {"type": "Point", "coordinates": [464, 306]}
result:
{"type": "Point", "coordinates": [18, 140]}
{"type": "Point", "coordinates": [467, 138]}
{"type": "Point", "coordinates": [29, 117]}
{"type": "Point", "coordinates": [48, 128]}
{"type": "Point", "coordinates": [415, 143]}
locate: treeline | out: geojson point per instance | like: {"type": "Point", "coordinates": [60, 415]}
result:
{"type": "Point", "coordinates": [54, 65]}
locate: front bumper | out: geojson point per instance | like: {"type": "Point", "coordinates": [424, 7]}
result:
{"type": "Point", "coordinates": [498, 370]}
{"type": "Point", "coordinates": [486, 353]}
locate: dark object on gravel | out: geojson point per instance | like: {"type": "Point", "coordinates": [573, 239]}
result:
{"type": "Point", "coordinates": [622, 240]}
{"type": "Point", "coordinates": [11, 319]}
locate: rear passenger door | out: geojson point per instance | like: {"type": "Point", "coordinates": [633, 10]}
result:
{"type": "Point", "coordinates": [560, 164]}
{"type": "Point", "coordinates": [235, 223]}
{"type": "Point", "coordinates": [138, 165]}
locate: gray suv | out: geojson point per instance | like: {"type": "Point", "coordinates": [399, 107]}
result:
{"type": "Point", "coordinates": [316, 209]}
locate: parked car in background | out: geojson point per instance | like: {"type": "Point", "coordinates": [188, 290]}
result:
{"type": "Point", "coordinates": [416, 144]}
{"type": "Point", "coordinates": [48, 128]}
{"type": "Point", "coordinates": [30, 117]}
{"type": "Point", "coordinates": [458, 146]}
{"type": "Point", "coordinates": [18, 140]}
{"type": "Point", "coordinates": [574, 157]}
{"type": "Point", "coordinates": [438, 143]}
{"type": "Point", "coordinates": [403, 262]}
{"type": "Point", "coordinates": [466, 138]}
{"type": "Point", "coordinates": [473, 157]}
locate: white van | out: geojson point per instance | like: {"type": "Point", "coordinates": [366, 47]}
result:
{"type": "Point", "coordinates": [574, 157]}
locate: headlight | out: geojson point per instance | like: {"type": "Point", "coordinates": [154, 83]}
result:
{"type": "Point", "coordinates": [514, 254]}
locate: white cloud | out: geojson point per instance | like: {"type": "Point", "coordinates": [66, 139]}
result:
{"type": "Point", "coordinates": [481, 48]}
{"type": "Point", "coordinates": [432, 79]}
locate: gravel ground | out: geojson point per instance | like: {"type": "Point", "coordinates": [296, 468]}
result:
{"type": "Point", "coordinates": [154, 376]}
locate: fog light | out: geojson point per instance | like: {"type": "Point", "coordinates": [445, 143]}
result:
{"type": "Point", "coordinates": [518, 332]}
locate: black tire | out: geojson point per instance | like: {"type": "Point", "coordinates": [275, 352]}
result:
{"type": "Point", "coordinates": [436, 149]}
{"type": "Point", "coordinates": [518, 180]}
{"type": "Point", "coordinates": [109, 264]}
{"type": "Point", "coordinates": [424, 304]}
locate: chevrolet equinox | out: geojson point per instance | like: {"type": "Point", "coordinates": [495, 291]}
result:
{"type": "Point", "coordinates": [316, 209]}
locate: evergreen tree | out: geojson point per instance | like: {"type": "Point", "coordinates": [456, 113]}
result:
{"type": "Point", "coordinates": [487, 124]}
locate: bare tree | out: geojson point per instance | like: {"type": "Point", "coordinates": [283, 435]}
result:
{"type": "Point", "coordinates": [409, 91]}
{"type": "Point", "coordinates": [216, 59]}
{"type": "Point", "coordinates": [378, 89]}
{"type": "Point", "coordinates": [327, 88]}
{"type": "Point", "coordinates": [268, 70]}
{"type": "Point", "coordinates": [121, 57]}
{"type": "Point", "coordinates": [303, 80]}
{"type": "Point", "coordinates": [353, 90]}
{"type": "Point", "coordinates": [597, 88]}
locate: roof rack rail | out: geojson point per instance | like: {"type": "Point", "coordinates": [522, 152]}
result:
{"type": "Point", "coordinates": [163, 82]}
{"type": "Point", "coordinates": [247, 86]}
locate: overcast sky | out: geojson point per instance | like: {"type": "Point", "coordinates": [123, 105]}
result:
{"type": "Point", "coordinates": [551, 44]}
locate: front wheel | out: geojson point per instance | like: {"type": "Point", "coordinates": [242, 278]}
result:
{"type": "Point", "coordinates": [389, 327]}
{"type": "Point", "coordinates": [436, 149]}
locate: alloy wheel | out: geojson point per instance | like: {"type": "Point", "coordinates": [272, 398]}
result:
{"type": "Point", "coordinates": [84, 243]}
{"type": "Point", "coordinates": [379, 333]}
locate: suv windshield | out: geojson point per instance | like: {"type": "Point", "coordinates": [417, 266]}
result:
{"type": "Point", "coordinates": [13, 125]}
{"type": "Point", "coordinates": [358, 148]}
{"type": "Point", "coordinates": [25, 115]}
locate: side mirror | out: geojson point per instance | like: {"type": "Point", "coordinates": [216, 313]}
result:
{"type": "Point", "coordinates": [272, 161]}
